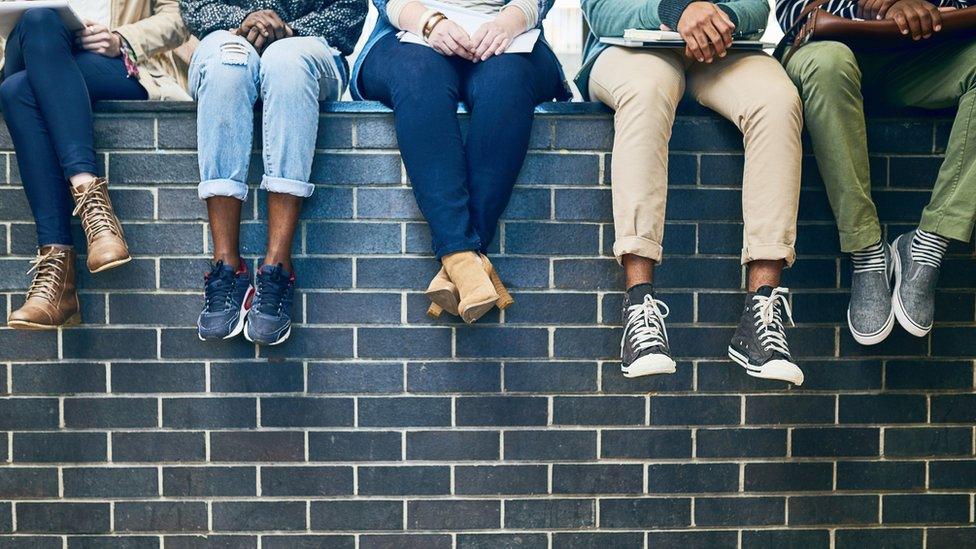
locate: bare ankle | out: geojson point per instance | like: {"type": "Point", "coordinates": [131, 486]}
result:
{"type": "Point", "coordinates": [231, 259]}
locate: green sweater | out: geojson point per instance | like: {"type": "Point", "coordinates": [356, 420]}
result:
{"type": "Point", "coordinates": [612, 17]}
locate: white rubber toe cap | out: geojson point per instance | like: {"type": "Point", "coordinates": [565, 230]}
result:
{"type": "Point", "coordinates": [648, 365]}
{"type": "Point", "coordinates": [782, 370]}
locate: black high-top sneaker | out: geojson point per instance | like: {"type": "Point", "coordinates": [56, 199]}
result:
{"type": "Point", "coordinates": [759, 343]}
{"type": "Point", "coordinates": [644, 348]}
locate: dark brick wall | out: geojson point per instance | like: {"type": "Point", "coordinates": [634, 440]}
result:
{"type": "Point", "coordinates": [375, 426]}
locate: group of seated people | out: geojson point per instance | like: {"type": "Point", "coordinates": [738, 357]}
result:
{"type": "Point", "coordinates": [292, 54]}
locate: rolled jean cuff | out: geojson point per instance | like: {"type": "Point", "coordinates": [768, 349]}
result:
{"type": "Point", "coordinates": [222, 187]}
{"type": "Point", "coordinates": [281, 185]}
{"type": "Point", "coordinates": [637, 245]}
{"type": "Point", "coordinates": [456, 247]}
{"type": "Point", "coordinates": [770, 252]}
{"type": "Point", "coordinates": [955, 228]}
{"type": "Point", "coordinates": [76, 168]}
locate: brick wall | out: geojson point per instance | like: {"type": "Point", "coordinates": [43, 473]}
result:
{"type": "Point", "coordinates": [375, 426]}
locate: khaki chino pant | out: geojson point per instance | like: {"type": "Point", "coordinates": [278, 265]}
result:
{"type": "Point", "coordinates": [750, 89]}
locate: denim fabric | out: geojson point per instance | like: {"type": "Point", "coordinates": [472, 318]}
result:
{"type": "Point", "coordinates": [383, 27]}
{"type": "Point", "coordinates": [462, 188]}
{"type": "Point", "coordinates": [46, 97]}
{"type": "Point", "coordinates": [291, 76]}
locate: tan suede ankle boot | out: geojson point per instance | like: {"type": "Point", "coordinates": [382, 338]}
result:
{"type": "Point", "coordinates": [443, 295]}
{"type": "Point", "coordinates": [469, 272]}
{"type": "Point", "coordinates": [52, 300]}
{"type": "Point", "coordinates": [103, 231]}
{"type": "Point", "coordinates": [505, 299]}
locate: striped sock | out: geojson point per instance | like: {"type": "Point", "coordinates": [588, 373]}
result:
{"type": "Point", "coordinates": [928, 248]}
{"type": "Point", "coordinates": [870, 259]}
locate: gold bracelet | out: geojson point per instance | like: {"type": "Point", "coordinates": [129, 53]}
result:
{"type": "Point", "coordinates": [431, 23]}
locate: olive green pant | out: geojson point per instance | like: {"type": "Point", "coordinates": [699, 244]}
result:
{"type": "Point", "coordinates": [831, 79]}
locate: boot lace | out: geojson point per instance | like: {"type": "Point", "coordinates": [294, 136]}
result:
{"type": "Point", "coordinates": [97, 216]}
{"type": "Point", "coordinates": [769, 320]}
{"type": "Point", "coordinates": [49, 269]}
{"type": "Point", "coordinates": [645, 324]}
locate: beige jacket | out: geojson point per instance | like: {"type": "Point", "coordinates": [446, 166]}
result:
{"type": "Point", "coordinates": [155, 31]}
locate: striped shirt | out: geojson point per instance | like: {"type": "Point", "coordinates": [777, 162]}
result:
{"type": "Point", "coordinates": [788, 10]}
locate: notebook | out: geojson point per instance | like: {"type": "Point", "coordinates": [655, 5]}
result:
{"type": "Point", "coordinates": [10, 12]}
{"type": "Point", "coordinates": [470, 20]}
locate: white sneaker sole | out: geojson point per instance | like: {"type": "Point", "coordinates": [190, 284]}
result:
{"type": "Point", "coordinates": [279, 341]}
{"type": "Point", "coordinates": [649, 365]}
{"type": "Point", "coordinates": [780, 370]}
{"type": "Point", "coordinates": [241, 318]}
{"type": "Point", "coordinates": [901, 314]}
{"type": "Point", "coordinates": [877, 337]}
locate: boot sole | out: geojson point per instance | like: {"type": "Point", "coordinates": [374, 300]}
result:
{"type": "Point", "coordinates": [112, 265]}
{"type": "Point", "coordinates": [73, 320]}
{"type": "Point", "coordinates": [900, 313]}
{"type": "Point", "coordinates": [444, 299]}
{"type": "Point", "coordinates": [477, 310]}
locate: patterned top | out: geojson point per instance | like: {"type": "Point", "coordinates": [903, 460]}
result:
{"type": "Point", "coordinates": [340, 22]}
{"type": "Point", "coordinates": [788, 10]}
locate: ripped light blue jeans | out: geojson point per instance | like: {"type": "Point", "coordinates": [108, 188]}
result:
{"type": "Point", "coordinates": [291, 76]}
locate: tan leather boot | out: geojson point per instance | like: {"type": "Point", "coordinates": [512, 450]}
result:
{"type": "Point", "coordinates": [52, 300]}
{"type": "Point", "coordinates": [469, 273]}
{"type": "Point", "coordinates": [106, 242]}
{"type": "Point", "coordinates": [443, 295]}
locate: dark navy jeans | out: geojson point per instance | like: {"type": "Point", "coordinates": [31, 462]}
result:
{"type": "Point", "coordinates": [461, 188]}
{"type": "Point", "coordinates": [46, 96]}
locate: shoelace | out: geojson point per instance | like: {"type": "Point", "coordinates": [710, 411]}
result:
{"type": "Point", "coordinates": [49, 268]}
{"type": "Point", "coordinates": [219, 288]}
{"type": "Point", "coordinates": [928, 248]}
{"type": "Point", "coordinates": [97, 216]}
{"type": "Point", "coordinates": [769, 321]}
{"type": "Point", "coordinates": [870, 259]}
{"type": "Point", "coordinates": [272, 293]}
{"type": "Point", "coordinates": [645, 324]}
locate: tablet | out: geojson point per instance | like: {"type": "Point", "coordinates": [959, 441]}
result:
{"type": "Point", "coordinates": [756, 45]}
{"type": "Point", "coordinates": [10, 12]}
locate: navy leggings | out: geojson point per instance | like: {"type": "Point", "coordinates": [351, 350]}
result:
{"type": "Point", "coordinates": [46, 96]}
{"type": "Point", "coordinates": [461, 188]}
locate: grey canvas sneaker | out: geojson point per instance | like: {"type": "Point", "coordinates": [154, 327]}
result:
{"type": "Point", "coordinates": [759, 343]}
{"type": "Point", "coordinates": [870, 315]}
{"type": "Point", "coordinates": [918, 259]}
{"type": "Point", "coordinates": [644, 347]}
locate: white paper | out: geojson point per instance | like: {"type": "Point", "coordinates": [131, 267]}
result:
{"type": "Point", "coordinates": [10, 12]}
{"type": "Point", "coordinates": [470, 21]}
{"type": "Point", "coordinates": [651, 35]}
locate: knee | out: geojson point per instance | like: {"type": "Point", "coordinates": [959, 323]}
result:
{"type": "Point", "coordinates": [284, 63]}
{"type": "Point", "coordinates": [37, 21]}
{"type": "Point", "coordinates": [227, 62]}
{"type": "Point", "coordinates": [825, 64]}
{"type": "Point", "coordinates": [780, 103]}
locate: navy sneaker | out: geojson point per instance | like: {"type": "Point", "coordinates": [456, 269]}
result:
{"type": "Point", "coordinates": [228, 296]}
{"type": "Point", "coordinates": [269, 320]}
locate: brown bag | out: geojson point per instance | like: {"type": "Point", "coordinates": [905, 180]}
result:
{"type": "Point", "coordinates": [815, 23]}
